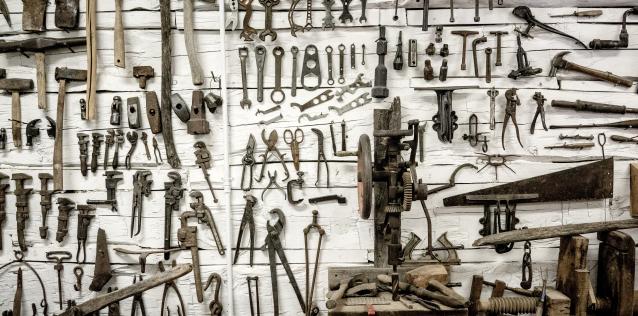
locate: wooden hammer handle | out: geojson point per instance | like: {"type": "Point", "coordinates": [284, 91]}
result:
{"type": "Point", "coordinates": [603, 75]}
{"type": "Point", "coordinates": [189, 39]}
{"type": "Point", "coordinates": [16, 119]}
{"type": "Point", "coordinates": [57, 148]}
{"type": "Point", "coordinates": [119, 55]}
{"type": "Point", "coordinates": [41, 80]}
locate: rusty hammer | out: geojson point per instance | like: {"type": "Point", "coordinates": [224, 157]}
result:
{"type": "Point", "coordinates": [143, 73]}
{"type": "Point", "coordinates": [558, 62]}
{"type": "Point", "coordinates": [465, 34]}
{"type": "Point", "coordinates": [15, 86]}
{"type": "Point", "coordinates": [62, 76]}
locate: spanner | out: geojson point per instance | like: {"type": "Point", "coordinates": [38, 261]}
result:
{"type": "Point", "coordinates": [233, 17]}
{"type": "Point", "coordinates": [248, 31]}
{"type": "Point", "coordinates": [328, 19]}
{"type": "Point", "coordinates": [260, 57]}
{"type": "Point", "coordinates": [345, 14]}
{"type": "Point", "coordinates": [132, 139]}
{"type": "Point", "coordinates": [243, 54]}
{"type": "Point", "coordinates": [293, 86]}
{"type": "Point", "coordinates": [277, 95]}
{"type": "Point", "coordinates": [331, 80]}
{"type": "Point", "coordinates": [353, 54]}
{"type": "Point", "coordinates": [268, 30]}
{"type": "Point", "coordinates": [342, 53]}
{"type": "Point", "coordinates": [363, 12]}
{"type": "Point", "coordinates": [144, 139]}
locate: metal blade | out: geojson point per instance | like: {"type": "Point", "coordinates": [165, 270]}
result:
{"type": "Point", "coordinates": [5, 11]}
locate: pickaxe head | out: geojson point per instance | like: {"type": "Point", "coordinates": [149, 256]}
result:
{"type": "Point", "coordinates": [558, 63]}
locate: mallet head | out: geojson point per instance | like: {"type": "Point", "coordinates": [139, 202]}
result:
{"type": "Point", "coordinates": [69, 74]}
{"type": "Point", "coordinates": [16, 85]}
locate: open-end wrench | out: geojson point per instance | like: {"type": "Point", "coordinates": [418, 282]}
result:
{"type": "Point", "coordinates": [488, 65]}
{"type": "Point", "coordinates": [233, 19]}
{"type": "Point", "coordinates": [293, 86]}
{"type": "Point", "coordinates": [248, 31]}
{"type": "Point", "coordinates": [144, 139]}
{"type": "Point", "coordinates": [345, 13]}
{"type": "Point", "coordinates": [328, 20]}
{"type": "Point", "coordinates": [451, 11]}
{"type": "Point", "coordinates": [277, 95]}
{"type": "Point", "coordinates": [342, 53]}
{"type": "Point", "coordinates": [245, 102]}
{"type": "Point", "coordinates": [260, 58]}
{"type": "Point", "coordinates": [353, 54]}
{"type": "Point", "coordinates": [363, 12]}
{"type": "Point", "coordinates": [331, 80]}
{"type": "Point", "coordinates": [268, 30]}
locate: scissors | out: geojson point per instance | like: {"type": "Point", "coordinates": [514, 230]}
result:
{"type": "Point", "coordinates": [294, 139]}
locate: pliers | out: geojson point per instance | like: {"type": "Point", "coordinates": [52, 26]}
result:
{"type": "Point", "coordinates": [540, 110]}
{"type": "Point", "coordinates": [321, 156]}
{"type": "Point", "coordinates": [273, 244]}
{"type": "Point", "coordinates": [247, 220]}
{"type": "Point", "coordinates": [272, 184]}
{"type": "Point", "coordinates": [271, 144]}
{"type": "Point", "coordinates": [248, 161]}
{"type": "Point", "coordinates": [167, 287]}
{"type": "Point", "coordinates": [510, 112]}
{"type": "Point", "coordinates": [138, 301]}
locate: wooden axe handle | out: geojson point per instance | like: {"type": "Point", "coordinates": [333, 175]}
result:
{"type": "Point", "coordinates": [16, 119]}
{"type": "Point", "coordinates": [41, 80]}
{"type": "Point", "coordinates": [120, 59]}
{"type": "Point", "coordinates": [57, 148]}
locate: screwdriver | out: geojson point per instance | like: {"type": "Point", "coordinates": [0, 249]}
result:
{"type": "Point", "coordinates": [590, 14]}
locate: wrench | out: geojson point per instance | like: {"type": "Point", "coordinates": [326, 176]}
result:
{"type": "Point", "coordinates": [233, 17]}
{"type": "Point", "coordinates": [353, 54]}
{"type": "Point", "coordinates": [363, 12]}
{"type": "Point", "coordinates": [277, 95]}
{"type": "Point", "coordinates": [268, 30]}
{"type": "Point", "coordinates": [345, 14]}
{"type": "Point", "coordinates": [243, 54]}
{"type": "Point", "coordinates": [331, 81]}
{"type": "Point", "coordinates": [248, 31]}
{"type": "Point", "coordinates": [488, 65]}
{"type": "Point", "coordinates": [294, 27]}
{"type": "Point", "coordinates": [293, 87]}
{"type": "Point", "coordinates": [342, 53]}
{"type": "Point", "coordinates": [356, 103]}
{"type": "Point", "coordinates": [260, 57]}
{"type": "Point", "coordinates": [328, 19]}
{"type": "Point", "coordinates": [144, 139]}
{"type": "Point", "coordinates": [132, 138]}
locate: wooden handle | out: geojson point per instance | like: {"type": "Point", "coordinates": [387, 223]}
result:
{"type": "Point", "coordinates": [189, 39]}
{"type": "Point", "coordinates": [41, 80]}
{"type": "Point", "coordinates": [603, 75]}
{"type": "Point", "coordinates": [57, 147]}
{"type": "Point", "coordinates": [16, 119]}
{"type": "Point", "coordinates": [91, 51]}
{"type": "Point", "coordinates": [446, 290]}
{"type": "Point", "coordinates": [119, 55]}
{"type": "Point", "coordinates": [633, 173]}
{"type": "Point", "coordinates": [590, 13]}
{"type": "Point", "coordinates": [337, 295]}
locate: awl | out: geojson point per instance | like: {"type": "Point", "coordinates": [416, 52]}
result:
{"type": "Point", "coordinates": [589, 14]}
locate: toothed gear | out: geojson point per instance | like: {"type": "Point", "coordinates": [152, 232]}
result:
{"type": "Point", "coordinates": [408, 187]}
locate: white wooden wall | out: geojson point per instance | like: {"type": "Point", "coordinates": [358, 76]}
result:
{"type": "Point", "coordinates": [348, 238]}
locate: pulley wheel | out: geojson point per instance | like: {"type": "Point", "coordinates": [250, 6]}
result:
{"type": "Point", "coordinates": [364, 176]}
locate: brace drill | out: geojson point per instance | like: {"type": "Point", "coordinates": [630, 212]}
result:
{"type": "Point", "coordinates": [111, 188]}
{"type": "Point", "coordinates": [172, 195]}
{"type": "Point", "coordinates": [187, 237]}
{"type": "Point", "coordinates": [204, 216]}
{"type": "Point", "coordinates": [141, 188]}
{"type": "Point", "coordinates": [22, 206]}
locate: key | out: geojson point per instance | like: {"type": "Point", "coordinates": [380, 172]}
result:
{"type": "Point", "coordinates": [243, 54]}
{"type": "Point", "coordinates": [342, 53]}
{"type": "Point", "coordinates": [268, 31]}
{"type": "Point", "coordinates": [260, 57]}
{"type": "Point", "coordinates": [277, 95]}
{"type": "Point", "coordinates": [145, 141]}
{"type": "Point", "coordinates": [331, 80]}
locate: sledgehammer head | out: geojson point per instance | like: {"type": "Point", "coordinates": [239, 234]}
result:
{"type": "Point", "coordinates": [68, 74]}
{"type": "Point", "coordinates": [16, 85]}
{"type": "Point", "coordinates": [558, 63]}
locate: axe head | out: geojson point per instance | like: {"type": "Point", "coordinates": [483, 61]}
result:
{"type": "Point", "coordinates": [68, 74]}
{"type": "Point", "coordinates": [558, 63]}
{"type": "Point", "coordinates": [66, 13]}
{"type": "Point", "coordinates": [33, 15]}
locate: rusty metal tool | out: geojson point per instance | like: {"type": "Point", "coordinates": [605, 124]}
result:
{"type": "Point", "coordinates": [326, 198]}
{"type": "Point", "coordinates": [167, 125]}
{"type": "Point", "coordinates": [103, 300]}
{"type": "Point", "coordinates": [215, 306]}
{"type": "Point", "coordinates": [141, 188]}
{"type": "Point", "coordinates": [247, 220]}
{"type": "Point", "coordinates": [86, 213]}
{"type": "Point", "coordinates": [172, 196]}
{"type": "Point", "coordinates": [475, 43]}
{"type": "Point", "coordinates": [275, 248]}
{"type": "Point", "coordinates": [111, 181]}
{"type": "Point", "coordinates": [138, 300]}
{"type": "Point", "coordinates": [116, 111]}
{"type": "Point", "coordinates": [102, 271]}
{"type": "Point", "coordinates": [328, 19]}
{"type": "Point", "coordinates": [59, 257]}
{"type": "Point", "coordinates": [3, 138]}
{"type": "Point", "coordinates": [203, 162]}
{"type": "Point", "coordinates": [540, 111]}
{"type": "Point", "coordinates": [67, 14]}
{"type": "Point", "coordinates": [268, 27]}
{"type": "Point", "coordinates": [15, 87]}
{"type": "Point", "coordinates": [628, 124]}
{"type": "Point", "coordinates": [97, 139]}
{"type": "Point", "coordinates": [156, 151]}
{"type": "Point", "coordinates": [524, 69]}
{"type": "Point", "coordinates": [577, 136]}
{"type": "Point", "coordinates": [45, 201]}
{"type": "Point", "coordinates": [321, 156]}
{"type": "Point", "coordinates": [83, 141]}
{"type": "Point", "coordinates": [572, 146]}
{"type": "Point", "coordinates": [272, 184]}
{"type": "Point", "coordinates": [153, 112]}
{"type": "Point", "coordinates": [62, 76]}
{"type": "Point", "coordinates": [33, 16]}
{"type": "Point", "coordinates": [623, 42]}
{"type": "Point", "coordinates": [32, 131]}
{"type": "Point", "coordinates": [510, 113]}
{"type": "Point", "coordinates": [109, 141]}
{"type": "Point", "coordinates": [380, 89]}
{"type": "Point", "coordinates": [248, 31]}
{"type": "Point", "coordinates": [271, 144]}
{"type": "Point", "coordinates": [255, 280]}
{"type": "Point", "coordinates": [187, 237]}
{"type": "Point", "coordinates": [79, 273]}
{"type": "Point", "coordinates": [172, 285]}
{"type": "Point", "coordinates": [595, 107]}
{"type": "Point", "coordinates": [397, 63]}
{"type": "Point", "coordinates": [65, 206]}
{"type": "Point", "coordinates": [204, 216]}
{"type": "Point", "coordinates": [499, 35]}
{"type": "Point", "coordinates": [311, 68]}
{"type": "Point", "coordinates": [142, 74]}
{"type": "Point", "coordinates": [464, 34]}
{"type": "Point", "coordinates": [299, 182]}
{"type": "Point", "coordinates": [39, 46]}
{"type": "Point", "coordinates": [4, 9]}
{"type": "Point", "coordinates": [294, 27]}
{"type": "Point", "coordinates": [3, 202]}
{"type": "Point", "coordinates": [119, 142]}
{"type": "Point", "coordinates": [144, 253]}
{"type": "Point", "coordinates": [294, 140]}
{"type": "Point", "coordinates": [133, 113]}
{"type": "Point", "coordinates": [144, 139]}
{"type": "Point", "coordinates": [310, 287]}
{"type": "Point", "coordinates": [492, 93]}
{"type": "Point", "coordinates": [22, 206]}
{"type": "Point", "coordinates": [17, 297]}
{"type": "Point", "coordinates": [248, 162]}
{"type": "Point", "coordinates": [525, 13]}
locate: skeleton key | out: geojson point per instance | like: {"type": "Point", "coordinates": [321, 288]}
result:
{"type": "Point", "coordinates": [248, 31]}
{"type": "Point", "coordinates": [277, 95]}
{"type": "Point", "coordinates": [245, 101]}
{"type": "Point", "coordinates": [260, 57]}
{"type": "Point", "coordinates": [144, 139]}
{"type": "Point", "coordinates": [308, 25]}
{"type": "Point", "coordinates": [268, 31]}
{"type": "Point", "coordinates": [331, 80]}
{"type": "Point", "coordinates": [342, 53]}
{"type": "Point", "coordinates": [234, 14]}
{"type": "Point", "coordinates": [345, 14]}
{"type": "Point", "coordinates": [328, 19]}
{"type": "Point", "coordinates": [293, 86]}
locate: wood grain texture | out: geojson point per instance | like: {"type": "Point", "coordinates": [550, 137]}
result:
{"type": "Point", "coordinates": [190, 42]}
{"type": "Point", "coordinates": [118, 31]}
